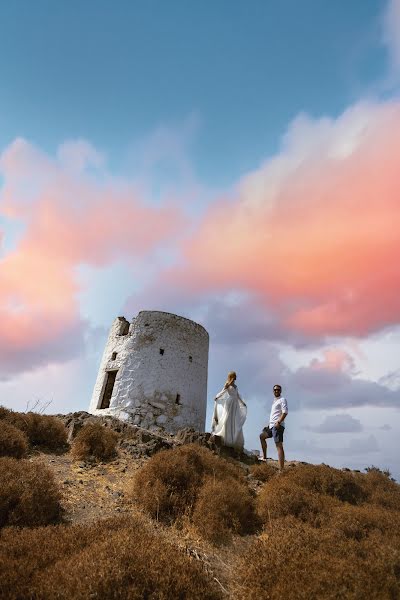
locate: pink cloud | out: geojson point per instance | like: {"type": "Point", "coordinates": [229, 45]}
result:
{"type": "Point", "coordinates": [315, 231]}
{"type": "Point", "coordinates": [335, 360]}
{"type": "Point", "coordinates": [72, 218]}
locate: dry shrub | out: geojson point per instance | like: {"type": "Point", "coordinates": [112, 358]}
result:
{"type": "Point", "coordinates": [13, 442]}
{"type": "Point", "coordinates": [322, 479]}
{"type": "Point", "coordinates": [224, 507]}
{"type": "Point", "coordinates": [118, 558]}
{"type": "Point", "coordinates": [44, 431]}
{"type": "Point", "coordinates": [380, 489]}
{"type": "Point", "coordinates": [295, 561]}
{"type": "Point", "coordinates": [95, 440]}
{"type": "Point", "coordinates": [280, 498]}
{"type": "Point", "coordinates": [263, 472]}
{"type": "Point", "coordinates": [359, 522]}
{"type": "Point", "coordinates": [18, 420]}
{"type": "Point", "coordinates": [28, 494]}
{"type": "Point", "coordinates": [168, 484]}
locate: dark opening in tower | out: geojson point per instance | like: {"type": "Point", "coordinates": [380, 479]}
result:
{"type": "Point", "coordinates": [108, 389]}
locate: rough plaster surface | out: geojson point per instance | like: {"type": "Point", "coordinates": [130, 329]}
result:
{"type": "Point", "coordinates": [156, 390]}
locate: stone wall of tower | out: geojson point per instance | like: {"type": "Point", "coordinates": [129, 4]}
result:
{"type": "Point", "coordinates": [161, 365]}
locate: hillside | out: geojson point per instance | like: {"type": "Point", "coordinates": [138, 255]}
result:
{"type": "Point", "coordinates": [181, 517]}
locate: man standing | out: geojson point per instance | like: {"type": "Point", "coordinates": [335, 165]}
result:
{"type": "Point", "coordinates": [276, 429]}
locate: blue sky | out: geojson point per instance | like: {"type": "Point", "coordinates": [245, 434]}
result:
{"type": "Point", "coordinates": [113, 72]}
{"type": "Point", "coordinates": [207, 129]}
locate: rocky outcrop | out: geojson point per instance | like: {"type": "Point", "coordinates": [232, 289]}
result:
{"type": "Point", "coordinates": [142, 442]}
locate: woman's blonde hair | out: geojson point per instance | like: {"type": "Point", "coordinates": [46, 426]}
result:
{"type": "Point", "coordinates": [230, 379]}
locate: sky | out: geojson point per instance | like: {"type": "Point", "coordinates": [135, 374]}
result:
{"type": "Point", "coordinates": [233, 163]}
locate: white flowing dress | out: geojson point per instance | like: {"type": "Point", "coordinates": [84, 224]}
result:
{"type": "Point", "coordinates": [229, 416]}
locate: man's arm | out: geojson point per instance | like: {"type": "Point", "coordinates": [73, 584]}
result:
{"type": "Point", "coordinates": [281, 419]}
{"type": "Point", "coordinates": [284, 413]}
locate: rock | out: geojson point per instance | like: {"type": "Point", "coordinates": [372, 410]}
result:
{"type": "Point", "coordinates": [161, 419]}
{"type": "Point", "coordinates": [158, 405]}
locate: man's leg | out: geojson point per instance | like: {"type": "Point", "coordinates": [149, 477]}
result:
{"type": "Point", "coordinates": [281, 455]}
{"type": "Point", "coordinates": [263, 437]}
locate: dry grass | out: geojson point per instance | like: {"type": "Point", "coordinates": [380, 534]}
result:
{"type": "Point", "coordinates": [359, 522]}
{"type": "Point", "coordinates": [280, 498]}
{"type": "Point", "coordinates": [46, 432]}
{"type": "Point", "coordinates": [295, 561]}
{"type": "Point", "coordinates": [43, 431]}
{"type": "Point", "coordinates": [321, 479]}
{"type": "Point", "coordinates": [95, 441]}
{"type": "Point", "coordinates": [168, 485]}
{"type": "Point", "coordinates": [13, 442]}
{"type": "Point", "coordinates": [263, 472]}
{"type": "Point", "coordinates": [222, 508]}
{"type": "Point", "coordinates": [118, 558]}
{"type": "Point", "coordinates": [28, 494]}
{"type": "Point", "coordinates": [380, 490]}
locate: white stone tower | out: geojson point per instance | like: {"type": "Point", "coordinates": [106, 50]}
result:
{"type": "Point", "coordinates": [154, 372]}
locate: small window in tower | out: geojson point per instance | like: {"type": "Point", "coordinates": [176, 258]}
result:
{"type": "Point", "coordinates": [161, 351]}
{"type": "Point", "coordinates": [178, 399]}
{"type": "Point", "coordinates": [114, 355]}
{"type": "Point", "coordinates": [190, 358]}
{"type": "Point", "coordinates": [147, 324]}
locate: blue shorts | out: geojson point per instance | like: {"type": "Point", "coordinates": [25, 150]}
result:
{"type": "Point", "coordinates": [276, 433]}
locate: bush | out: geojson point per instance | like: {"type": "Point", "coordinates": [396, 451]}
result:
{"type": "Point", "coordinates": [118, 558]}
{"type": "Point", "coordinates": [263, 471]}
{"type": "Point", "coordinates": [94, 440]}
{"type": "Point", "coordinates": [380, 489]}
{"type": "Point", "coordinates": [280, 498]}
{"type": "Point", "coordinates": [44, 431]}
{"type": "Point", "coordinates": [322, 479]}
{"type": "Point", "coordinates": [18, 420]}
{"type": "Point", "coordinates": [359, 522]}
{"type": "Point", "coordinates": [297, 562]}
{"type": "Point", "coordinates": [13, 442]}
{"type": "Point", "coordinates": [168, 484]}
{"type": "Point", "coordinates": [222, 508]}
{"type": "Point", "coordinates": [28, 494]}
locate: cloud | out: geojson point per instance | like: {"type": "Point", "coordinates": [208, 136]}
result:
{"type": "Point", "coordinates": [71, 218]}
{"type": "Point", "coordinates": [337, 424]}
{"type": "Point", "coordinates": [391, 380]}
{"type": "Point", "coordinates": [355, 447]}
{"type": "Point", "coordinates": [312, 234]}
{"type": "Point", "coordinates": [330, 384]}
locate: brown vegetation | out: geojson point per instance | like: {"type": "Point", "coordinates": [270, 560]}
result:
{"type": "Point", "coordinates": [222, 508]}
{"type": "Point", "coordinates": [295, 561]}
{"type": "Point", "coordinates": [118, 558]}
{"type": "Point", "coordinates": [328, 534]}
{"type": "Point", "coordinates": [43, 431]}
{"type": "Point", "coordinates": [95, 441]}
{"type": "Point", "coordinates": [13, 442]}
{"type": "Point", "coordinates": [263, 472]}
{"type": "Point", "coordinates": [321, 479]}
{"type": "Point", "coordinates": [380, 490]}
{"type": "Point", "coordinates": [28, 494]}
{"type": "Point", "coordinates": [169, 483]}
{"type": "Point", "coordinates": [280, 498]}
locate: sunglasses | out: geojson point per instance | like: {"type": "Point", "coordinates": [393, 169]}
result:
{"type": "Point", "coordinates": [276, 389]}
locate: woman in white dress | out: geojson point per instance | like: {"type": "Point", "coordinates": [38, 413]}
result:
{"type": "Point", "coordinates": [230, 413]}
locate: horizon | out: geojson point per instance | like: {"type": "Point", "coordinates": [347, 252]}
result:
{"type": "Point", "coordinates": [234, 166]}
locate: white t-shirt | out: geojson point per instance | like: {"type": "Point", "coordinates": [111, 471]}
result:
{"type": "Point", "coordinates": [278, 407]}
